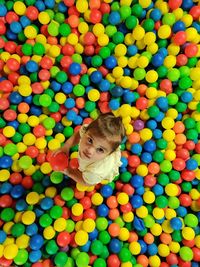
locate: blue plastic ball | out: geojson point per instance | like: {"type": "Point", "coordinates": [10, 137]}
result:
{"type": "Point", "coordinates": [115, 246]}
{"type": "Point", "coordinates": [46, 203]}
{"type": "Point", "coordinates": [110, 62]}
{"type": "Point", "coordinates": [114, 18]}
{"type": "Point", "coordinates": [32, 66]}
{"type": "Point", "coordinates": [136, 201]}
{"type": "Point", "coordinates": [96, 77]}
{"type": "Point", "coordinates": [191, 164]}
{"type": "Point", "coordinates": [36, 242]}
{"type": "Point", "coordinates": [70, 103]}
{"type": "Point", "coordinates": [116, 91]}
{"type": "Point", "coordinates": [114, 104]}
{"type": "Point", "coordinates": [176, 223]}
{"type": "Point", "coordinates": [5, 162]}
{"type": "Point", "coordinates": [74, 68]}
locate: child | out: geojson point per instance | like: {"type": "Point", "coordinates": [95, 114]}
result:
{"type": "Point", "coordinates": [99, 150]}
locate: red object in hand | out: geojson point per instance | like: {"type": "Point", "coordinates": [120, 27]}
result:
{"type": "Point", "coordinates": [59, 162]}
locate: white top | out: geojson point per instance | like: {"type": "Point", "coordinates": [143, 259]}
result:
{"type": "Point", "coordinates": [105, 169]}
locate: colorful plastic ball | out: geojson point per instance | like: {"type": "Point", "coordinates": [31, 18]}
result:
{"type": "Point", "coordinates": [59, 162]}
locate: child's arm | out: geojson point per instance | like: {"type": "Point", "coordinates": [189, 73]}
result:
{"type": "Point", "coordinates": [72, 141]}
{"type": "Point", "coordinates": [75, 175]}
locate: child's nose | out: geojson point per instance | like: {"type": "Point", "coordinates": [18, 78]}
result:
{"type": "Point", "coordinates": [90, 150]}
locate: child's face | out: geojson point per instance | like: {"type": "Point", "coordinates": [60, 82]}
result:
{"type": "Point", "coordinates": [93, 148]}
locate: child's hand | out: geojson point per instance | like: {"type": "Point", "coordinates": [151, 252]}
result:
{"type": "Point", "coordinates": [66, 172]}
{"type": "Point", "coordinates": [57, 151]}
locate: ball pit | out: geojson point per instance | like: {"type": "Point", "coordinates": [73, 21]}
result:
{"type": "Point", "coordinates": [62, 62]}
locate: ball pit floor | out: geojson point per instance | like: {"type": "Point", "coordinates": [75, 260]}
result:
{"type": "Point", "coordinates": [62, 63]}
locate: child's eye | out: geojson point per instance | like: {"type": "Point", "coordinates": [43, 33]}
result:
{"type": "Point", "coordinates": [90, 140]}
{"type": "Point", "coordinates": [100, 150]}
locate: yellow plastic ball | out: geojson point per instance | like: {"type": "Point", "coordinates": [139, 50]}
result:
{"type": "Point", "coordinates": [158, 213]}
{"type": "Point", "coordinates": [60, 224]}
{"type": "Point", "coordinates": [103, 39]}
{"type": "Point", "coordinates": [156, 229]}
{"type": "Point", "coordinates": [135, 248]}
{"type": "Point", "coordinates": [93, 95]}
{"type": "Point", "coordinates": [142, 170]}
{"type": "Point", "coordinates": [164, 31]}
{"type": "Point", "coordinates": [172, 112]}
{"type": "Point", "coordinates": [149, 38]}
{"type": "Point", "coordinates": [49, 232]}
{"type": "Point", "coordinates": [22, 118]}
{"type": "Point", "coordinates": [170, 154]}
{"type": "Point", "coordinates": [82, 6]}
{"type": "Point", "coordinates": [169, 135]}
{"type": "Point", "coordinates": [51, 192]}
{"type": "Point", "coordinates": [54, 51]}
{"type": "Point", "coordinates": [46, 167]}
{"type": "Point", "coordinates": [89, 225]}
{"type": "Point", "coordinates": [120, 50]}
{"type": "Point", "coordinates": [188, 233]}
{"type": "Point", "coordinates": [138, 33]}
{"type": "Point", "coordinates": [149, 197]}
{"type": "Point", "coordinates": [145, 3]}
{"type": "Point", "coordinates": [126, 82]}
{"type": "Point", "coordinates": [1, 250]}
{"type": "Point", "coordinates": [142, 212]}
{"type": "Point", "coordinates": [122, 61]}
{"type": "Point", "coordinates": [54, 144]}
{"type": "Point", "coordinates": [4, 175]}
{"type": "Point", "coordinates": [125, 110]}
{"type": "Point", "coordinates": [122, 198]}
{"type": "Point", "coordinates": [29, 139]}
{"type": "Point", "coordinates": [9, 131]}
{"type": "Point", "coordinates": [128, 216]}
{"type": "Point", "coordinates": [174, 247]}
{"type": "Point", "coordinates": [197, 241]}
{"type": "Point", "coordinates": [151, 93]}
{"type": "Point", "coordinates": [72, 39]}
{"type": "Point", "coordinates": [60, 137]}
{"type": "Point", "coordinates": [97, 199]}
{"type": "Point", "coordinates": [33, 121]}
{"type": "Point", "coordinates": [146, 134]}
{"type": "Point", "coordinates": [19, 8]}
{"type": "Point", "coordinates": [170, 61]}
{"type": "Point", "coordinates": [44, 18]}
{"type": "Point", "coordinates": [124, 234]}
{"type": "Point", "coordinates": [117, 72]}
{"type": "Point", "coordinates": [10, 251]}
{"type": "Point", "coordinates": [167, 123]}
{"type": "Point", "coordinates": [163, 250]}
{"type": "Point", "coordinates": [151, 76]}
{"type": "Point", "coordinates": [98, 29]}
{"type": "Point", "coordinates": [154, 261]}
{"type": "Point", "coordinates": [30, 32]}
{"type": "Point", "coordinates": [142, 62]}
{"type": "Point", "coordinates": [81, 238]}
{"type": "Point", "coordinates": [41, 143]}
{"type": "Point", "coordinates": [22, 241]}
{"type": "Point", "coordinates": [77, 209]}
{"type": "Point", "coordinates": [32, 198]}
{"type": "Point", "coordinates": [28, 217]}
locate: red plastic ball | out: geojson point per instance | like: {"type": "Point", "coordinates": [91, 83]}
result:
{"type": "Point", "coordinates": [59, 162]}
{"type": "Point", "coordinates": [188, 175]}
{"type": "Point", "coordinates": [32, 151]}
{"type": "Point", "coordinates": [196, 252]}
{"type": "Point", "coordinates": [37, 88]}
{"type": "Point", "coordinates": [185, 200]}
{"type": "Point", "coordinates": [89, 213]}
{"type": "Point", "coordinates": [178, 164]}
{"type": "Point", "coordinates": [133, 161]}
{"type": "Point", "coordinates": [128, 189]}
{"type": "Point", "coordinates": [180, 38]}
{"type": "Point", "coordinates": [63, 239]}
{"type": "Point", "coordinates": [10, 47]}
{"type": "Point", "coordinates": [174, 4]}
{"type": "Point", "coordinates": [27, 182]}
{"type": "Point", "coordinates": [166, 86]}
{"type": "Point", "coordinates": [142, 103]}
{"type": "Point", "coordinates": [15, 178]}
{"type": "Point", "coordinates": [6, 86]}
{"type": "Point", "coordinates": [13, 77]}
{"type": "Point", "coordinates": [172, 259]}
{"type": "Point", "coordinates": [4, 103]}
{"type": "Point", "coordinates": [68, 50]}
{"type": "Point", "coordinates": [5, 201]}
{"type": "Point", "coordinates": [95, 16]}
{"type": "Point", "coordinates": [39, 131]}
{"type": "Point", "coordinates": [10, 115]}
{"type": "Point", "coordinates": [2, 29]}
{"type": "Point", "coordinates": [183, 154]}
{"type": "Point", "coordinates": [191, 50]}
{"type": "Point", "coordinates": [11, 16]}
{"type": "Point", "coordinates": [195, 12]}
{"type": "Point", "coordinates": [86, 202]}
{"type": "Point", "coordinates": [89, 38]}
{"type": "Point", "coordinates": [32, 13]}
{"type": "Point", "coordinates": [113, 261]}
{"type": "Point", "coordinates": [181, 60]}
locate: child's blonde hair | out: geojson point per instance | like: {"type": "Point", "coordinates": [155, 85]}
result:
{"type": "Point", "coordinates": [109, 127]}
